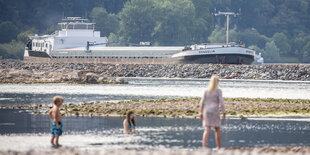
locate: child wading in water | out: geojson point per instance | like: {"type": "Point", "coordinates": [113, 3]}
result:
{"type": "Point", "coordinates": [55, 116]}
{"type": "Point", "coordinates": [210, 102]}
{"type": "Point", "coordinates": [129, 123]}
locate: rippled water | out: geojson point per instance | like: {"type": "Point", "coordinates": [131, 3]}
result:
{"type": "Point", "coordinates": [148, 88]}
{"type": "Point", "coordinates": [21, 131]}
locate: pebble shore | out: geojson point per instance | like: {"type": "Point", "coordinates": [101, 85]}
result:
{"type": "Point", "coordinates": [236, 151]}
{"type": "Point", "coordinates": [14, 71]}
{"type": "Point", "coordinates": [240, 107]}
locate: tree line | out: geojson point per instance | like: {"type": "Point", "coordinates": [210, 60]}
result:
{"type": "Point", "coordinates": [279, 29]}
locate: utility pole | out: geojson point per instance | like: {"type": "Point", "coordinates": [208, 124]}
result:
{"type": "Point", "coordinates": [227, 14]}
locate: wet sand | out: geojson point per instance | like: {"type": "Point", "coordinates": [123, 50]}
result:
{"type": "Point", "coordinates": [245, 151]}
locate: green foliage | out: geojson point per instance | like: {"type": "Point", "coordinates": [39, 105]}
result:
{"type": "Point", "coordinates": [282, 42]}
{"type": "Point", "coordinates": [165, 22]}
{"type": "Point", "coordinates": [113, 38]}
{"type": "Point", "coordinates": [106, 23]}
{"type": "Point", "coordinates": [217, 35]}
{"type": "Point", "coordinates": [23, 36]}
{"type": "Point", "coordinates": [306, 54]}
{"type": "Point", "coordinates": [169, 22]}
{"type": "Point", "coordinates": [137, 21]}
{"type": "Point", "coordinates": [271, 53]}
{"type": "Point", "coordinates": [249, 36]}
{"type": "Point", "coordinates": [175, 22]}
{"type": "Point", "coordinates": [8, 31]}
{"type": "Point", "coordinates": [203, 24]}
{"type": "Point", "coordinates": [252, 37]}
{"type": "Point", "coordinates": [12, 50]}
{"type": "Point", "coordinates": [257, 49]}
{"type": "Point", "coordinates": [51, 29]}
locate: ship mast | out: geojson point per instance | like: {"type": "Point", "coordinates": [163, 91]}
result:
{"type": "Point", "coordinates": [227, 14]}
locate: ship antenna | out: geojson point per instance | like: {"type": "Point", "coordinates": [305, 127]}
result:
{"type": "Point", "coordinates": [227, 14]}
{"type": "Point", "coordinates": [63, 15]}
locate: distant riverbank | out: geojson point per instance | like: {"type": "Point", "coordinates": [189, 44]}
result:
{"type": "Point", "coordinates": [20, 72]}
{"type": "Point", "coordinates": [240, 107]}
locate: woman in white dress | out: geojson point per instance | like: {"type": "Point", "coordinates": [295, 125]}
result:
{"type": "Point", "coordinates": [210, 104]}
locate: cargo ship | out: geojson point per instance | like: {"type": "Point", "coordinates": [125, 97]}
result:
{"type": "Point", "coordinates": [78, 42]}
{"type": "Point", "coordinates": [215, 54]}
{"type": "Point", "coordinates": [218, 53]}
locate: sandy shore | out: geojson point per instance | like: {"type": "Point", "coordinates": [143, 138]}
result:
{"type": "Point", "coordinates": [243, 151]}
{"type": "Point", "coordinates": [240, 107]}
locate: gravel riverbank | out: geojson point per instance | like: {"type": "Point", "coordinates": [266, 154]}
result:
{"type": "Point", "coordinates": [241, 107]}
{"type": "Point", "coordinates": [18, 71]}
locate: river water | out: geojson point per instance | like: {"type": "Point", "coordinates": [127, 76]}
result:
{"type": "Point", "coordinates": [148, 88]}
{"type": "Point", "coordinates": [20, 130]}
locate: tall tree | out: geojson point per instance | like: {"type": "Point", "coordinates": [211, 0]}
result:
{"type": "Point", "coordinates": [175, 25]}
{"type": "Point", "coordinates": [282, 43]}
{"type": "Point", "coordinates": [8, 31]}
{"type": "Point", "coordinates": [106, 23]}
{"type": "Point", "coordinates": [137, 21]}
{"type": "Point", "coordinates": [204, 20]}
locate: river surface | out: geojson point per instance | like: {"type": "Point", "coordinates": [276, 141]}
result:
{"type": "Point", "coordinates": [148, 88]}
{"type": "Point", "coordinates": [20, 130]}
{"type": "Point", "coordinates": [23, 131]}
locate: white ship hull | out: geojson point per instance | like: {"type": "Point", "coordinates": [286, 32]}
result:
{"type": "Point", "coordinates": [217, 55]}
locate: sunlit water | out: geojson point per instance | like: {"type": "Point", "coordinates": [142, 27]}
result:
{"type": "Point", "coordinates": [22, 131]}
{"type": "Point", "coordinates": [148, 88]}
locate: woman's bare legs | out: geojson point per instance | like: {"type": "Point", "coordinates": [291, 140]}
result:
{"type": "Point", "coordinates": [218, 137]}
{"type": "Point", "coordinates": [205, 136]}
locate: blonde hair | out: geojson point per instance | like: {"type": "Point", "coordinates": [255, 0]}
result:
{"type": "Point", "coordinates": [57, 99]}
{"type": "Point", "coordinates": [214, 83]}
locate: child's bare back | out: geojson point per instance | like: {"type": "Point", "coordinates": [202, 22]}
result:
{"type": "Point", "coordinates": [55, 112]}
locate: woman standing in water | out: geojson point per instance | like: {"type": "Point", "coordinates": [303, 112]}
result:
{"type": "Point", "coordinates": [210, 102]}
{"type": "Point", "coordinates": [129, 123]}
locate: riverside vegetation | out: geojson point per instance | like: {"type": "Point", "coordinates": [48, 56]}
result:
{"type": "Point", "coordinates": [181, 107]}
{"type": "Point", "coordinates": [279, 29]}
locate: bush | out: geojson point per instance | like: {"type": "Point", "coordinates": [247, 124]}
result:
{"type": "Point", "coordinates": [252, 37]}
{"type": "Point", "coordinates": [12, 50]}
{"type": "Point", "coordinates": [282, 43]}
{"type": "Point", "coordinates": [8, 31]}
{"type": "Point", "coordinates": [271, 53]}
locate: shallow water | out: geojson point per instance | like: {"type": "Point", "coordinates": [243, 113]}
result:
{"type": "Point", "coordinates": [148, 88]}
{"type": "Point", "coordinates": [22, 131]}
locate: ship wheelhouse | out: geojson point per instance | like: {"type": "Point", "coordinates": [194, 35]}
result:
{"type": "Point", "coordinates": [74, 32]}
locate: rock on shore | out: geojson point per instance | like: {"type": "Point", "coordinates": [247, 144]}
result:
{"type": "Point", "coordinates": [17, 71]}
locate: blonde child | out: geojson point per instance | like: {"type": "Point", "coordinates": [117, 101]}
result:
{"type": "Point", "coordinates": [55, 116]}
